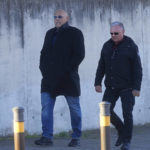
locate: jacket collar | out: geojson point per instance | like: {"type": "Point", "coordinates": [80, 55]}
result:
{"type": "Point", "coordinates": [62, 27]}
{"type": "Point", "coordinates": [113, 43]}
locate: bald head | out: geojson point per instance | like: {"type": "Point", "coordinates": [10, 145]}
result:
{"type": "Point", "coordinates": [60, 18]}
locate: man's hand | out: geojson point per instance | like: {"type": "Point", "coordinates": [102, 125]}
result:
{"type": "Point", "coordinates": [136, 93]}
{"type": "Point", "coordinates": [98, 89]}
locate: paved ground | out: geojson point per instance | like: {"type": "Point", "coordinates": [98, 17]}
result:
{"type": "Point", "coordinates": [89, 141]}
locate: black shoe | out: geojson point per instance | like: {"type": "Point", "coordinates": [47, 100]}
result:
{"type": "Point", "coordinates": [125, 146]}
{"type": "Point", "coordinates": [44, 141]}
{"type": "Point", "coordinates": [74, 143]}
{"type": "Point", "coordinates": [119, 141]}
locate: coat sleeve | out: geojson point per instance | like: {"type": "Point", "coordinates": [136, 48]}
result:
{"type": "Point", "coordinates": [78, 52]}
{"type": "Point", "coordinates": [137, 70]}
{"type": "Point", "coordinates": [43, 49]}
{"type": "Point", "coordinates": [100, 69]}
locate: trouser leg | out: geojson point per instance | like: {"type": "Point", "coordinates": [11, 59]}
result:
{"type": "Point", "coordinates": [112, 96]}
{"type": "Point", "coordinates": [117, 122]}
{"type": "Point", "coordinates": [47, 103]}
{"type": "Point", "coordinates": [128, 101]}
{"type": "Point", "coordinates": [75, 113]}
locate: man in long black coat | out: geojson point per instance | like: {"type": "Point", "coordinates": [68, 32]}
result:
{"type": "Point", "coordinates": [121, 65]}
{"type": "Point", "coordinates": [63, 51]}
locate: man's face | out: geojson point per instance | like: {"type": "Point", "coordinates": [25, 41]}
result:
{"type": "Point", "coordinates": [60, 18]}
{"type": "Point", "coordinates": [117, 33]}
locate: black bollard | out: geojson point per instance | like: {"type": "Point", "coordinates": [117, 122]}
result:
{"type": "Point", "coordinates": [105, 125]}
{"type": "Point", "coordinates": [19, 143]}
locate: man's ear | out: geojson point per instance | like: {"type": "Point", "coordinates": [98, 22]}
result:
{"type": "Point", "coordinates": [68, 18]}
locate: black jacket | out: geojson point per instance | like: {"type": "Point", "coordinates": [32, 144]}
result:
{"type": "Point", "coordinates": [121, 65]}
{"type": "Point", "coordinates": [60, 59]}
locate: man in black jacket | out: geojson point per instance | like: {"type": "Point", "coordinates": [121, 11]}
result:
{"type": "Point", "coordinates": [120, 64]}
{"type": "Point", "coordinates": [62, 52]}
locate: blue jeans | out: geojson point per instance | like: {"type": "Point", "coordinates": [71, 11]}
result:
{"type": "Point", "coordinates": [47, 115]}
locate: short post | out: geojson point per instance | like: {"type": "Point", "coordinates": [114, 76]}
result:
{"type": "Point", "coordinates": [19, 143]}
{"type": "Point", "coordinates": [105, 125]}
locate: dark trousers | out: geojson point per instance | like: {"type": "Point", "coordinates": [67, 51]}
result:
{"type": "Point", "coordinates": [127, 100]}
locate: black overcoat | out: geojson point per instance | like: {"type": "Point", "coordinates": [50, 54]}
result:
{"type": "Point", "coordinates": [59, 62]}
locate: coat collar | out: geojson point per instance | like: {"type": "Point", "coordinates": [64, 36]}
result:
{"type": "Point", "coordinates": [62, 27]}
{"type": "Point", "coordinates": [59, 32]}
{"type": "Point", "coordinates": [120, 43]}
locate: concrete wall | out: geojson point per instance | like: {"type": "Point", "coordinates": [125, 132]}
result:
{"type": "Point", "coordinates": [23, 24]}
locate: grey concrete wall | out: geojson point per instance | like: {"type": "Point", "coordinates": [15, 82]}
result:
{"type": "Point", "coordinates": [23, 24]}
